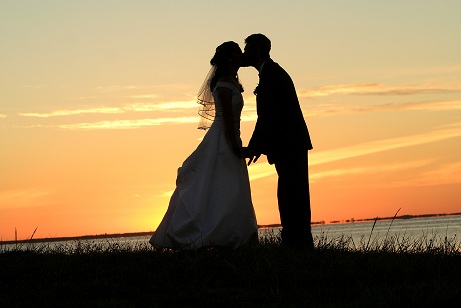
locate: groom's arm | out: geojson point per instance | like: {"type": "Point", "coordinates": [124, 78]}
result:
{"type": "Point", "coordinates": [255, 143]}
{"type": "Point", "coordinates": [254, 149]}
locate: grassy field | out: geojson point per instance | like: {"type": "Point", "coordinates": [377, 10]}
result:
{"type": "Point", "coordinates": [396, 272]}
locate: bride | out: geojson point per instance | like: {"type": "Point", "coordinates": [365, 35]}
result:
{"type": "Point", "coordinates": [211, 205]}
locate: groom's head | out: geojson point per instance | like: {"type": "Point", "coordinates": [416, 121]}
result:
{"type": "Point", "coordinates": [257, 48]}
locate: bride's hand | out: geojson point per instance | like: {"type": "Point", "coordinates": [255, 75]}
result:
{"type": "Point", "coordinates": [238, 150]}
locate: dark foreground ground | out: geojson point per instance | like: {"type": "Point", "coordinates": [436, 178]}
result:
{"type": "Point", "coordinates": [268, 275]}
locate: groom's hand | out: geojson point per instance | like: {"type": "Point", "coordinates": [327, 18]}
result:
{"type": "Point", "coordinates": [253, 158]}
{"type": "Point", "coordinates": [252, 155]}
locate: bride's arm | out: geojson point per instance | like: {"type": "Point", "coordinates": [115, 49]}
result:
{"type": "Point", "coordinates": [225, 96]}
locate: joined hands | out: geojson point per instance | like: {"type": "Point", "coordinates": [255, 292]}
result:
{"type": "Point", "coordinates": [252, 155]}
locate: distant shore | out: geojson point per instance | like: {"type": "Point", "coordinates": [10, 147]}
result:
{"type": "Point", "coordinates": [392, 217]}
{"type": "Point", "coordinates": [148, 233]}
{"type": "Point", "coordinates": [352, 220]}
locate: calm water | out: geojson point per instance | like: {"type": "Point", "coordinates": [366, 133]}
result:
{"type": "Point", "coordinates": [415, 228]}
{"type": "Point", "coordinates": [431, 228]}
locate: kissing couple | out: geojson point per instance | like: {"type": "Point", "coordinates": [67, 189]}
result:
{"type": "Point", "coordinates": [211, 205]}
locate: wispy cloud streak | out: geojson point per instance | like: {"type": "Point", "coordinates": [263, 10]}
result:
{"type": "Point", "coordinates": [444, 174]}
{"type": "Point", "coordinates": [427, 105]}
{"type": "Point", "coordinates": [59, 113]}
{"type": "Point", "coordinates": [335, 89]}
{"type": "Point", "coordinates": [377, 89]}
{"type": "Point", "coordinates": [143, 96]}
{"type": "Point", "coordinates": [135, 107]}
{"type": "Point", "coordinates": [128, 124]}
{"type": "Point", "coordinates": [370, 169]}
{"type": "Point", "coordinates": [26, 197]}
{"type": "Point", "coordinates": [137, 123]}
{"type": "Point", "coordinates": [452, 131]}
{"type": "Point", "coordinates": [329, 109]}
{"type": "Point", "coordinates": [123, 88]}
{"type": "Point", "coordinates": [323, 157]}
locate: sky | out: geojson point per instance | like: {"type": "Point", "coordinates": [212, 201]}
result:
{"type": "Point", "coordinates": [98, 106]}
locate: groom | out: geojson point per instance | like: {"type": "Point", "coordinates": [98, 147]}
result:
{"type": "Point", "coordinates": [281, 134]}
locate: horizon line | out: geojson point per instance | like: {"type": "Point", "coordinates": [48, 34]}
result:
{"type": "Point", "coordinates": [140, 233]}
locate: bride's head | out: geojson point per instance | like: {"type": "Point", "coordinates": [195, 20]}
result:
{"type": "Point", "coordinates": [227, 60]}
{"type": "Point", "coordinates": [227, 54]}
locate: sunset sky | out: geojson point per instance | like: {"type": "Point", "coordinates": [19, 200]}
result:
{"type": "Point", "coordinates": [98, 106]}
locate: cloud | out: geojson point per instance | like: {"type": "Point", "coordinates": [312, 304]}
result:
{"type": "Point", "coordinates": [444, 174]}
{"type": "Point", "coordinates": [337, 106]}
{"type": "Point", "coordinates": [143, 96]}
{"type": "Point", "coordinates": [59, 113]}
{"type": "Point", "coordinates": [259, 171]}
{"type": "Point", "coordinates": [116, 88]}
{"type": "Point", "coordinates": [248, 117]}
{"type": "Point", "coordinates": [426, 105]}
{"type": "Point", "coordinates": [85, 97]}
{"type": "Point", "coordinates": [438, 174]}
{"type": "Point", "coordinates": [328, 109]}
{"type": "Point", "coordinates": [135, 107]}
{"type": "Point", "coordinates": [448, 132]}
{"type": "Point", "coordinates": [404, 91]}
{"type": "Point", "coordinates": [35, 86]}
{"type": "Point", "coordinates": [120, 88]}
{"type": "Point", "coordinates": [137, 123]}
{"type": "Point", "coordinates": [378, 90]}
{"type": "Point", "coordinates": [168, 106]}
{"type": "Point", "coordinates": [2, 116]}
{"type": "Point", "coordinates": [335, 89]}
{"type": "Point", "coordinates": [128, 124]}
{"type": "Point", "coordinates": [369, 169]}
{"type": "Point", "coordinates": [431, 71]}
{"type": "Point", "coordinates": [25, 197]}
{"type": "Point", "coordinates": [166, 194]}
{"type": "Point", "coordinates": [248, 114]}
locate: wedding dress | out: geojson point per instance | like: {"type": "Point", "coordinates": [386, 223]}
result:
{"type": "Point", "coordinates": [211, 205]}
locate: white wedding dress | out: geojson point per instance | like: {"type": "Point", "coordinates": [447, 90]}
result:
{"type": "Point", "coordinates": [211, 205]}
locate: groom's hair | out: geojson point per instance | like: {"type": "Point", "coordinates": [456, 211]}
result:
{"type": "Point", "coordinates": [259, 42]}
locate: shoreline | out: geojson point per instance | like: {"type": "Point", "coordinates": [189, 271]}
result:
{"type": "Point", "coordinates": [149, 233]}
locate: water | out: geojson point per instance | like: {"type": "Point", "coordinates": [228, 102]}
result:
{"type": "Point", "coordinates": [437, 228]}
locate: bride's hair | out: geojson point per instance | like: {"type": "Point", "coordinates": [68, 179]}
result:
{"type": "Point", "coordinates": [221, 60]}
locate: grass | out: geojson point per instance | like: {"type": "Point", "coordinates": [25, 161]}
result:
{"type": "Point", "coordinates": [397, 271]}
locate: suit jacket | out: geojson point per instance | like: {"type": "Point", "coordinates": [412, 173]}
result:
{"type": "Point", "coordinates": [280, 127]}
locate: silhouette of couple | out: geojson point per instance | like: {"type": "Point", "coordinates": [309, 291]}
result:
{"type": "Point", "coordinates": [211, 205]}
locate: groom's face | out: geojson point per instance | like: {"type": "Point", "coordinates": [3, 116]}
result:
{"type": "Point", "coordinates": [250, 55]}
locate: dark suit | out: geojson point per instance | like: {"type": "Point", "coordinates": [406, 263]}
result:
{"type": "Point", "coordinates": [282, 135]}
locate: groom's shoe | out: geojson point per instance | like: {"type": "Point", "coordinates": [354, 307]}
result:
{"type": "Point", "coordinates": [301, 240]}
{"type": "Point", "coordinates": [299, 244]}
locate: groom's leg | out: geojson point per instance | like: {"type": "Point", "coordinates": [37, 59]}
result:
{"type": "Point", "coordinates": [294, 200]}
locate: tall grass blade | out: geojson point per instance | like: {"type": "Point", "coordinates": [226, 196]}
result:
{"type": "Point", "coordinates": [369, 238]}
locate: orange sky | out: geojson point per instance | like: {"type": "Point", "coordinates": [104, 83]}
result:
{"type": "Point", "coordinates": [97, 108]}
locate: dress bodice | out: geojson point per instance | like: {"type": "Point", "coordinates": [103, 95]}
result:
{"type": "Point", "coordinates": [237, 103]}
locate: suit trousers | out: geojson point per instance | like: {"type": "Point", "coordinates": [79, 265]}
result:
{"type": "Point", "coordinates": [294, 198]}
